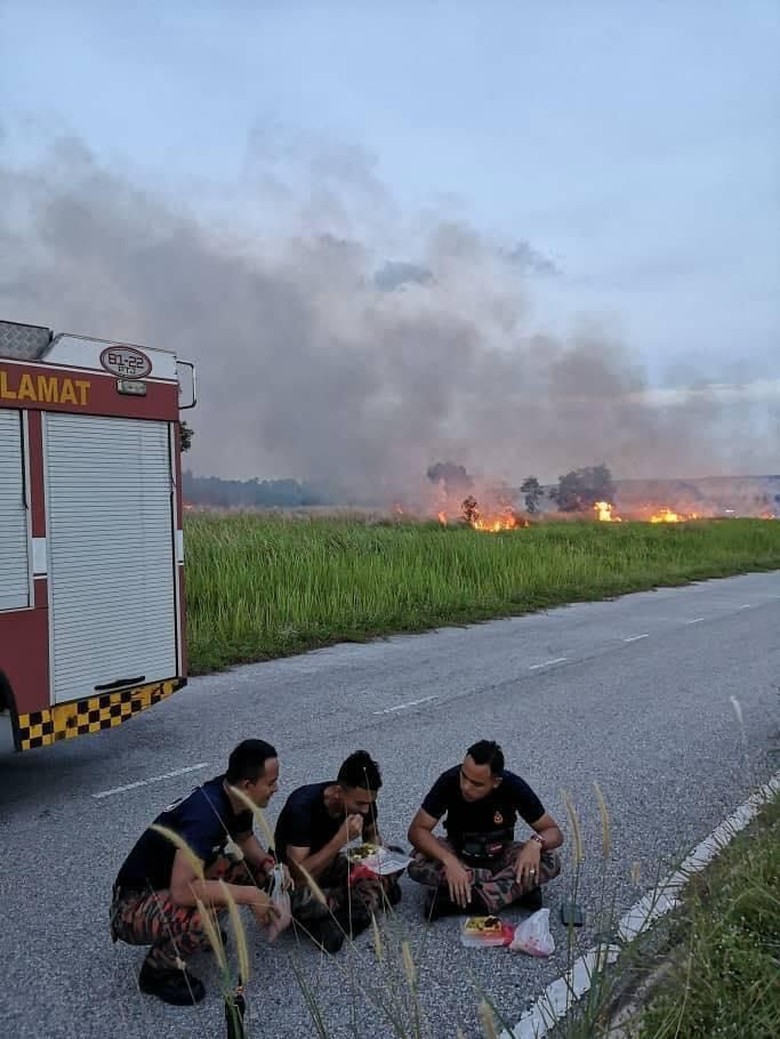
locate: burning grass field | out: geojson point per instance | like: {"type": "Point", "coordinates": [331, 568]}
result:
{"type": "Point", "coordinates": [265, 586]}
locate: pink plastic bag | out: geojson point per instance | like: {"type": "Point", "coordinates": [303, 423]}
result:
{"type": "Point", "coordinates": [533, 935]}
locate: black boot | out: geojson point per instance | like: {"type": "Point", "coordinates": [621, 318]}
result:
{"type": "Point", "coordinates": [354, 919]}
{"type": "Point", "coordinates": [530, 899]}
{"type": "Point", "coordinates": [324, 932]}
{"type": "Point", "coordinates": [393, 894]}
{"type": "Point", "coordinates": [171, 984]}
{"type": "Point", "coordinates": [438, 904]}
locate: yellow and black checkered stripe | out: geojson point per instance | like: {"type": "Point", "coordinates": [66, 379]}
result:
{"type": "Point", "coordinates": [78, 717]}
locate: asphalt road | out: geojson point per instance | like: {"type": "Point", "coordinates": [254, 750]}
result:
{"type": "Point", "coordinates": [635, 694]}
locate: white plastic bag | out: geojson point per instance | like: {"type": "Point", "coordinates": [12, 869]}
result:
{"type": "Point", "coordinates": [533, 935]}
{"type": "Point", "coordinates": [280, 897]}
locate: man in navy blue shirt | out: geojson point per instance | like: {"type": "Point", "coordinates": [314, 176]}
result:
{"type": "Point", "coordinates": [156, 889]}
{"type": "Point", "coordinates": [479, 867]}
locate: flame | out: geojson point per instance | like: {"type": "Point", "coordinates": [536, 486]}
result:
{"type": "Point", "coordinates": [669, 516]}
{"type": "Point", "coordinates": [604, 511]}
{"type": "Point", "coordinates": [666, 516]}
{"type": "Point", "coordinates": [495, 523]}
{"type": "Point", "coordinates": [498, 515]}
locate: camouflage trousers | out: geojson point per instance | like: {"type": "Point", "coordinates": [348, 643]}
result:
{"type": "Point", "coordinates": [174, 931]}
{"type": "Point", "coordinates": [496, 882]}
{"type": "Point", "coordinates": [344, 886]}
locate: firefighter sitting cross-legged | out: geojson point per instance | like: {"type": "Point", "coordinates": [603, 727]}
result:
{"type": "Point", "coordinates": [315, 826]}
{"type": "Point", "coordinates": [479, 868]}
{"type": "Point", "coordinates": [155, 893]}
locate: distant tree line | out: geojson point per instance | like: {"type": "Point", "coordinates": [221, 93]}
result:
{"type": "Point", "coordinates": [576, 491]}
{"type": "Point", "coordinates": [254, 493]}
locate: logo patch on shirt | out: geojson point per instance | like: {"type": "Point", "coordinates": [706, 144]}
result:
{"type": "Point", "coordinates": [498, 818]}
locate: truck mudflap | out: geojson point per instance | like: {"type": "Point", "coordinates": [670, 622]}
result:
{"type": "Point", "coordinates": [78, 717]}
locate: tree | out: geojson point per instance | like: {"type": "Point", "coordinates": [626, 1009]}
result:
{"type": "Point", "coordinates": [470, 509]}
{"type": "Point", "coordinates": [453, 478]}
{"type": "Point", "coordinates": [186, 433]}
{"type": "Point", "coordinates": [533, 492]}
{"type": "Point", "coordinates": [580, 489]}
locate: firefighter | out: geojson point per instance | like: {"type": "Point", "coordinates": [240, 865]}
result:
{"type": "Point", "coordinates": [154, 897]}
{"type": "Point", "coordinates": [479, 867]}
{"type": "Point", "coordinates": [313, 829]}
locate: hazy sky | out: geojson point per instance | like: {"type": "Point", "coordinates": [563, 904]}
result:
{"type": "Point", "coordinates": [631, 151]}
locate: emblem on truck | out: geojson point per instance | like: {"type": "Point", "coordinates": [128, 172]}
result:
{"type": "Point", "coordinates": [126, 361]}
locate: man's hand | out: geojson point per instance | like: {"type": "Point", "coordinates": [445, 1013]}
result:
{"type": "Point", "coordinates": [527, 865]}
{"type": "Point", "coordinates": [458, 881]}
{"type": "Point", "coordinates": [263, 909]}
{"type": "Point", "coordinates": [287, 880]}
{"type": "Point", "coordinates": [351, 828]}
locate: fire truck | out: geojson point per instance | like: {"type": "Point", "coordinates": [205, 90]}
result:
{"type": "Point", "coordinates": [91, 545]}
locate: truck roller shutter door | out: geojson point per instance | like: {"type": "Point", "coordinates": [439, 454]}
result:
{"type": "Point", "coordinates": [111, 552]}
{"type": "Point", "coordinates": [14, 535]}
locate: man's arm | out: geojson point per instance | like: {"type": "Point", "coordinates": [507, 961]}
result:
{"type": "Point", "coordinates": [254, 853]}
{"type": "Point", "coordinates": [547, 836]}
{"type": "Point", "coordinates": [422, 838]}
{"type": "Point", "coordinates": [315, 863]}
{"type": "Point", "coordinates": [549, 831]}
{"type": "Point", "coordinates": [186, 888]}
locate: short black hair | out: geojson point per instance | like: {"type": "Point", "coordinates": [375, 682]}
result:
{"type": "Point", "coordinates": [487, 752]}
{"type": "Point", "coordinates": [247, 761]}
{"type": "Point", "coordinates": [360, 770]}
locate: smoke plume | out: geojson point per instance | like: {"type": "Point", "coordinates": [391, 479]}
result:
{"type": "Point", "coordinates": [324, 356]}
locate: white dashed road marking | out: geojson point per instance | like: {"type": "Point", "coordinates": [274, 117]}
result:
{"type": "Point", "coordinates": [696, 620]}
{"type": "Point", "coordinates": [403, 706]}
{"type": "Point", "coordinates": [151, 779]}
{"type": "Point", "coordinates": [636, 638]}
{"type": "Point", "coordinates": [546, 663]}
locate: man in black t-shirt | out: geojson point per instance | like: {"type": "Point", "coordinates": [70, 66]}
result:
{"type": "Point", "coordinates": [314, 827]}
{"type": "Point", "coordinates": [155, 893]}
{"type": "Point", "coordinates": [479, 867]}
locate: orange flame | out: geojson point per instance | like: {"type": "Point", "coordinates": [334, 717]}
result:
{"type": "Point", "coordinates": [604, 510]}
{"type": "Point", "coordinates": [666, 516]}
{"type": "Point", "coordinates": [495, 523]}
{"type": "Point", "coordinates": [669, 516]}
{"type": "Point", "coordinates": [442, 518]}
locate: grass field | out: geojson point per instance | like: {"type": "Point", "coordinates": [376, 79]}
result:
{"type": "Point", "coordinates": [261, 587]}
{"type": "Point", "coordinates": [724, 979]}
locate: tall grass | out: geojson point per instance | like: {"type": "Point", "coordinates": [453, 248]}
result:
{"type": "Point", "coordinates": [260, 587]}
{"type": "Point", "coordinates": [725, 978]}
{"type": "Point", "coordinates": [718, 958]}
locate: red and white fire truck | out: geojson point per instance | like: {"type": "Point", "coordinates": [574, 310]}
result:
{"type": "Point", "coordinates": [91, 547]}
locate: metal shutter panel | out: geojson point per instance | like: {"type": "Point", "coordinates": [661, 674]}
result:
{"type": "Point", "coordinates": [14, 541]}
{"type": "Point", "coordinates": [110, 542]}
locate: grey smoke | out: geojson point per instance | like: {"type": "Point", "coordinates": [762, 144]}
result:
{"type": "Point", "coordinates": [313, 365]}
{"type": "Point", "coordinates": [395, 274]}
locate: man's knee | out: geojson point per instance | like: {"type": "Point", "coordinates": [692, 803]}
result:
{"type": "Point", "coordinates": [550, 866]}
{"type": "Point", "coordinates": [128, 924]}
{"type": "Point", "coordinates": [424, 870]}
{"type": "Point", "coordinates": [306, 906]}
